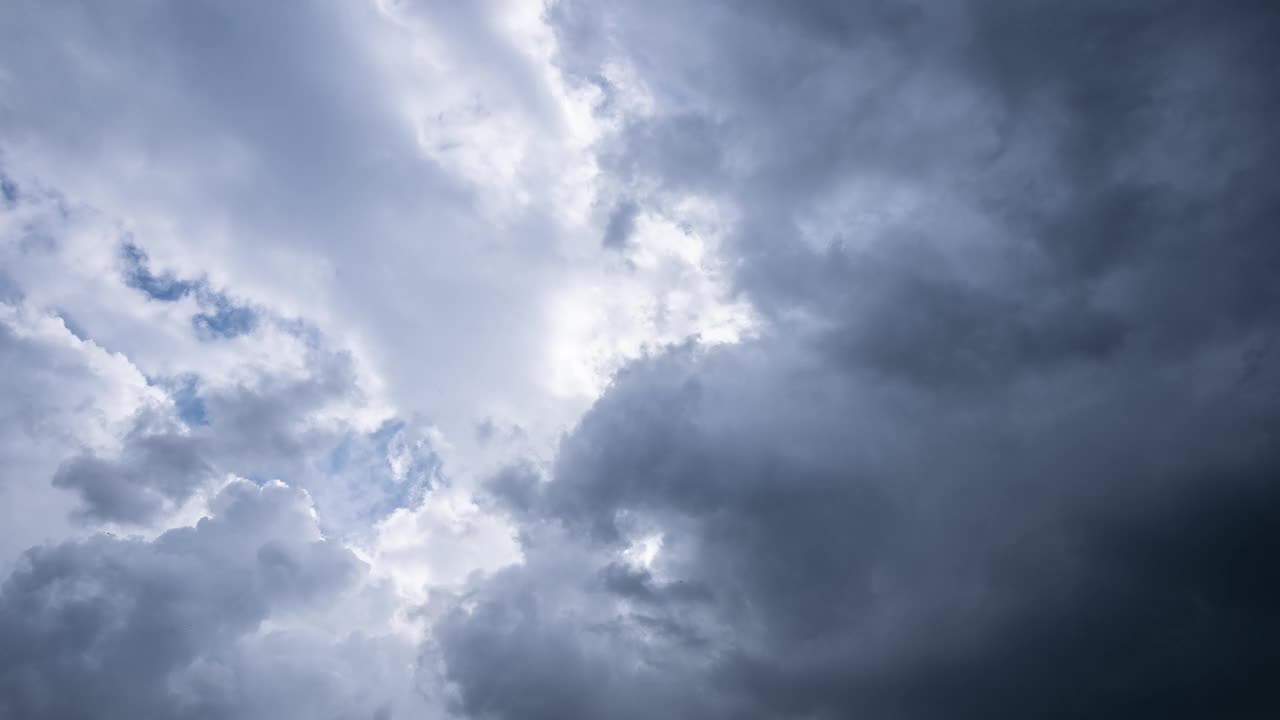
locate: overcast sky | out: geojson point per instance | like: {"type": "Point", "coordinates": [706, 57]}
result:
{"type": "Point", "coordinates": [637, 359]}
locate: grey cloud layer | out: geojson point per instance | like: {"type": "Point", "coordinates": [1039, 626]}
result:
{"type": "Point", "coordinates": [1008, 446]}
{"type": "Point", "coordinates": [1005, 446]}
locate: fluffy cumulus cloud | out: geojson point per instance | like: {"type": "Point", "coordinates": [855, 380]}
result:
{"type": "Point", "coordinates": [584, 359]}
{"type": "Point", "coordinates": [176, 627]}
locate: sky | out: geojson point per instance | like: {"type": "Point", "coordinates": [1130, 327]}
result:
{"type": "Point", "coordinates": [581, 359]}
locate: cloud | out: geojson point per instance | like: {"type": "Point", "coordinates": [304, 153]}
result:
{"type": "Point", "coordinates": [220, 316]}
{"type": "Point", "coordinates": [132, 489]}
{"type": "Point", "coordinates": [62, 395]}
{"type": "Point", "coordinates": [632, 359]}
{"type": "Point", "coordinates": [273, 423]}
{"type": "Point", "coordinates": [413, 179]}
{"type": "Point", "coordinates": [622, 222]}
{"type": "Point", "coordinates": [995, 453]}
{"type": "Point", "coordinates": [110, 627]}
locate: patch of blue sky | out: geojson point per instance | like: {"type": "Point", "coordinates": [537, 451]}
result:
{"type": "Point", "coordinates": [364, 460]}
{"type": "Point", "coordinates": [8, 191]}
{"type": "Point", "coordinates": [224, 320]}
{"type": "Point", "coordinates": [190, 406]}
{"type": "Point", "coordinates": [219, 317]}
{"type": "Point", "coordinates": [138, 275]}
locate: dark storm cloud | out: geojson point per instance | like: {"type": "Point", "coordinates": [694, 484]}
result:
{"type": "Point", "coordinates": [640, 585]}
{"type": "Point", "coordinates": [1006, 448]}
{"type": "Point", "coordinates": [523, 650]}
{"type": "Point", "coordinates": [890, 552]}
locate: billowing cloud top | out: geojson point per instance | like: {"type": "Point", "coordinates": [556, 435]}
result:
{"type": "Point", "coordinates": [617, 359]}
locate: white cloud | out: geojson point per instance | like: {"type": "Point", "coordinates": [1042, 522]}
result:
{"type": "Point", "coordinates": [354, 248]}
